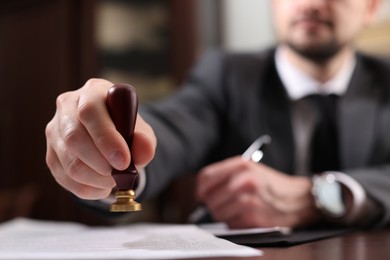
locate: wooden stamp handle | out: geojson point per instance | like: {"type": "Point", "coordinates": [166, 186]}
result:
{"type": "Point", "coordinates": [122, 105]}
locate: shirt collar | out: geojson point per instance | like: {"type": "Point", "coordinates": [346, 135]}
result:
{"type": "Point", "coordinates": [298, 84]}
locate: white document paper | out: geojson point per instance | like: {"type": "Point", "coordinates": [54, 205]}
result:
{"type": "Point", "coordinates": [32, 239]}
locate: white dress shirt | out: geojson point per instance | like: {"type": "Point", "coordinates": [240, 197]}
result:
{"type": "Point", "coordinates": [299, 85]}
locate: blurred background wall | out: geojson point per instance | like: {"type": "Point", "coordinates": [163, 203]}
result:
{"type": "Point", "coordinates": [48, 47]}
{"type": "Point", "coordinates": [247, 25]}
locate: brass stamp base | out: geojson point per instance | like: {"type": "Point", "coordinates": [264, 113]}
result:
{"type": "Point", "coordinates": [125, 202]}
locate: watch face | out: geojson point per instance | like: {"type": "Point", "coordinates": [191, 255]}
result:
{"type": "Point", "coordinates": [329, 197]}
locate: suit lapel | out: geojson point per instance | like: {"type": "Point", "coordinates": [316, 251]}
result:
{"type": "Point", "coordinates": [276, 112]}
{"type": "Point", "coordinates": [357, 115]}
{"type": "Point", "coordinates": [357, 119]}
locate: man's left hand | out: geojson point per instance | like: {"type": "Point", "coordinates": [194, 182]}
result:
{"type": "Point", "coordinates": [245, 194]}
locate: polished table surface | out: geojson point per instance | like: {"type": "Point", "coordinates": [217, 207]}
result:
{"type": "Point", "coordinates": [367, 245]}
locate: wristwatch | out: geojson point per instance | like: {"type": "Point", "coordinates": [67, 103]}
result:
{"type": "Point", "coordinates": [330, 191]}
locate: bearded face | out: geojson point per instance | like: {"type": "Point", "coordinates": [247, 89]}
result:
{"type": "Point", "coordinates": [319, 29]}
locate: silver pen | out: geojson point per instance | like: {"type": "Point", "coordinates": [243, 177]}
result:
{"type": "Point", "coordinates": [253, 153]}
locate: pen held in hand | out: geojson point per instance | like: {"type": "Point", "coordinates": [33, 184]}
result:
{"type": "Point", "coordinates": [255, 153]}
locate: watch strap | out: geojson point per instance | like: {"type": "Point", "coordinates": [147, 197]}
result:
{"type": "Point", "coordinates": [358, 204]}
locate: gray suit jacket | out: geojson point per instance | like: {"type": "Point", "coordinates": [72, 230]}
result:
{"type": "Point", "coordinates": [229, 100]}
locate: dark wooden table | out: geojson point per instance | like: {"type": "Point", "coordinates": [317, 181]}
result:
{"type": "Point", "coordinates": [369, 245]}
{"type": "Point", "coordinates": [356, 246]}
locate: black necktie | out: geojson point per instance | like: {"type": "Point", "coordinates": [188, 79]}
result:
{"type": "Point", "coordinates": [324, 144]}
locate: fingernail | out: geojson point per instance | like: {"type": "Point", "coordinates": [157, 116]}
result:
{"type": "Point", "coordinates": [117, 160]}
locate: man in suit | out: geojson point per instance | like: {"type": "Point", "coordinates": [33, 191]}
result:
{"type": "Point", "coordinates": [228, 100]}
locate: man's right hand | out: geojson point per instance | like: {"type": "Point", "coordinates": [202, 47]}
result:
{"type": "Point", "coordinates": [83, 145]}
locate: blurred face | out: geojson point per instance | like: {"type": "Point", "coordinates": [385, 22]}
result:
{"type": "Point", "coordinates": [318, 29]}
